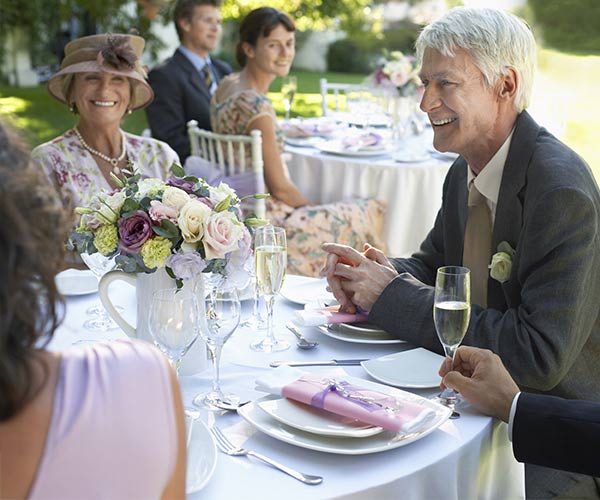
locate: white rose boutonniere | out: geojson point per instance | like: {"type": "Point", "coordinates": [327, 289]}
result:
{"type": "Point", "coordinates": [501, 264]}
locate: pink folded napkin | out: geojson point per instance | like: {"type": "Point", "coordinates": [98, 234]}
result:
{"type": "Point", "coordinates": [326, 316]}
{"type": "Point", "coordinates": [357, 142]}
{"type": "Point", "coordinates": [365, 405]}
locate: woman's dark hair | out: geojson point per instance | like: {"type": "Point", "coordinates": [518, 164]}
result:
{"type": "Point", "coordinates": [32, 236]}
{"type": "Point", "coordinates": [260, 22]}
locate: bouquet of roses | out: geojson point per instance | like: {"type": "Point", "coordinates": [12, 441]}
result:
{"type": "Point", "coordinates": [399, 71]}
{"type": "Point", "coordinates": [183, 224]}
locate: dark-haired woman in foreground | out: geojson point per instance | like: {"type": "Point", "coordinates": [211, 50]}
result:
{"type": "Point", "coordinates": [100, 422]}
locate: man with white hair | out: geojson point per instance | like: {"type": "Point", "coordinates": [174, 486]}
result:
{"type": "Point", "coordinates": [519, 208]}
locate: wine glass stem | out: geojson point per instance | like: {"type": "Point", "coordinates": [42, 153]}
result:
{"type": "Point", "coordinates": [255, 311]}
{"type": "Point", "coordinates": [270, 302]}
{"type": "Point", "coordinates": [215, 354]}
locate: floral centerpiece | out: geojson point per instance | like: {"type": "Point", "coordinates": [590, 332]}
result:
{"type": "Point", "coordinates": [182, 224]}
{"type": "Point", "coordinates": [398, 71]}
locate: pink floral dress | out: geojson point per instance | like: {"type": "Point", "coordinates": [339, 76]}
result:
{"type": "Point", "coordinates": [75, 175]}
{"type": "Point", "coordinates": [349, 222]}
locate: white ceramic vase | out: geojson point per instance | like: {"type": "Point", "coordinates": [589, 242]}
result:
{"type": "Point", "coordinates": [195, 360]}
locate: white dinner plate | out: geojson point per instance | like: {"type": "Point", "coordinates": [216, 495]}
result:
{"type": "Point", "coordinates": [366, 328]}
{"type": "Point", "coordinates": [339, 332]}
{"type": "Point", "coordinates": [76, 282]}
{"type": "Point", "coordinates": [377, 120]}
{"type": "Point", "coordinates": [415, 369]}
{"type": "Point", "coordinates": [309, 419]}
{"type": "Point", "coordinates": [383, 441]}
{"type": "Point", "coordinates": [202, 458]}
{"type": "Point", "coordinates": [302, 290]}
{"type": "Point", "coordinates": [337, 148]}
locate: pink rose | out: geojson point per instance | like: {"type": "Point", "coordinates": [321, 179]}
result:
{"type": "Point", "coordinates": [222, 235]}
{"type": "Point", "coordinates": [159, 211]}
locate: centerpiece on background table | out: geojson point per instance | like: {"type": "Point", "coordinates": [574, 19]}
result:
{"type": "Point", "coordinates": [166, 234]}
{"type": "Point", "coordinates": [398, 76]}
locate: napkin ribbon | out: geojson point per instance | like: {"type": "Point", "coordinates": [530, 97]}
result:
{"type": "Point", "coordinates": [351, 393]}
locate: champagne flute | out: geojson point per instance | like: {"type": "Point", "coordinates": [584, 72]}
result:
{"type": "Point", "coordinates": [451, 315]}
{"type": "Point", "coordinates": [271, 261]}
{"type": "Point", "coordinates": [222, 318]}
{"type": "Point", "coordinates": [173, 322]}
{"type": "Point", "coordinates": [99, 265]}
{"type": "Point", "coordinates": [289, 85]}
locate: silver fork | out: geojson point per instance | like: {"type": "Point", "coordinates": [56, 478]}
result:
{"type": "Point", "coordinates": [229, 448]}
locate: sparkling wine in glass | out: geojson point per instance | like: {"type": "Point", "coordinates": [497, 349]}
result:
{"type": "Point", "coordinates": [289, 85]}
{"type": "Point", "coordinates": [99, 265]}
{"type": "Point", "coordinates": [173, 321]}
{"type": "Point", "coordinates": [451, 314]}
{"type": "Point", "coordinates": [270, 254]}
{"type": "Point", "coordinates": [222, 307]}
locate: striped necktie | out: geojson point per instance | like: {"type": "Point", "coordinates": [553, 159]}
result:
{"type": "Point", "coordinates": [207, 75]}
{"type": "Point", "coordinates": [477, 249]}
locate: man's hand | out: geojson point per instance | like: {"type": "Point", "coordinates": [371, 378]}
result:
{"type": "Point", "coordinates": [480, 377]}
{"type": "Point", "coordinates": [356, 279]}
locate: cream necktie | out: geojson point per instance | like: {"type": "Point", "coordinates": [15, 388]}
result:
{"type": "Point", "coordinates": [477, 249]}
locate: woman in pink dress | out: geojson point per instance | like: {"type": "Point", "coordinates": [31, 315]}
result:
{"type": "Point", "coordinates": [99, 422]}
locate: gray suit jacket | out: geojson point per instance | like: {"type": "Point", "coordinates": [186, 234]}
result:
{"type": "Point", "coordinates": [544, 322]}
{"type": "Point", "coordinates": [180, 95]}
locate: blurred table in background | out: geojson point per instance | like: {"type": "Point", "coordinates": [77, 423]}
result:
{"type": "Point", "coordinates": [411, 189]}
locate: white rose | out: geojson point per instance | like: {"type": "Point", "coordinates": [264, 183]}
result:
{"type": "Point", "coordinates": [192, 220]}
{"type": "Point", "coordinates": [149, 186]}
{"type": "Point", "coordinates": [219, 193]}
{"type": "Point", "coordinates": [175, 198]}
{"type": "Point", "coordinates": [223, 233]}
{"type": "Point", "coordinates": [501, 266]}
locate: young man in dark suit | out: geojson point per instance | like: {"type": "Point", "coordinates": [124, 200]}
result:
{"type": "Point", "coordinates": [184, 84]}
{"type": "Point", "coordinates": [535, 296]}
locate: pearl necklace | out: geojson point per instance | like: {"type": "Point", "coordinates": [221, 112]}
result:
{"type": "Point", "coordinates": [113, 161]}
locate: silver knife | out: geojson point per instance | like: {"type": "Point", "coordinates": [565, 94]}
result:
{"type": "Point", "coordinates": [329, 362]}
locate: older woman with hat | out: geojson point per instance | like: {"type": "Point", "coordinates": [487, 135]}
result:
{"type": "Point", "coordinates": [100, 80]}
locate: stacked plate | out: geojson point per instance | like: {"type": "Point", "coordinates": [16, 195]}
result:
{"type": "Point", "coordinates": [307, 427]}
{"type": "Point", "coordinates": [359, 333]}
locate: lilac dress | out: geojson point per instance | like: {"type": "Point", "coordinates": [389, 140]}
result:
{"type": "Point", "coordinates": [73, 171]}
{"type": "Point", "coordinates": [112, 433]}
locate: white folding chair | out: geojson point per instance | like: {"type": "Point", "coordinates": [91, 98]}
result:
{"type": "Point", "coordinates": [228, 153]}
{"type": "Point", "coordinates": [340, 93]}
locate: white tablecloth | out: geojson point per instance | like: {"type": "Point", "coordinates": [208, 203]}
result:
{"type": "Point", "coordinates": [470, 457]}
{"type": "Point", "coordinates": [412, 191]}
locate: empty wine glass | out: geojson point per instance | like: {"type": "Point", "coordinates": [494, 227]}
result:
{"type": "Point", "coordinates": [222, 308]}
{"type": "Point", "coordinates": [270, 252]}
{"type": "Point", "coordinates": [173, 322]}
{"type": "Point", "coordinates": [451, 315]}
{"type": "Point", "coordinates": [99, 265]}
{"type": "Point", "coordinates": [289, 85]}
{"type": "Point", "coordinates": [256, 320]}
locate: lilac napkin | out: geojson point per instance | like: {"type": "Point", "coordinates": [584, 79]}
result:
{"type": "Point", "coordinates": [302, 129]}
{"type": "Point", "coordinates": [358, 142]}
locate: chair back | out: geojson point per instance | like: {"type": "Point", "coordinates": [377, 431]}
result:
{"type": "Point", "coordinates": [340, 92]}
{"type": "Point", "coordinates": [228, 154]}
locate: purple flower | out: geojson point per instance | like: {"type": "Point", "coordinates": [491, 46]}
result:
{"type": "Point", "coordinates": [186, 265]}
{"type": "Point", "coordinates": [187, 186]}
{"type": "Point", "coordinates": [134, 231]}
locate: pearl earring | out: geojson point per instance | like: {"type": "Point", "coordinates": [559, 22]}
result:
{"type": "Point", "coordinates": [129, 111]}
{"type": "Point", "coordinates": [72, 108]}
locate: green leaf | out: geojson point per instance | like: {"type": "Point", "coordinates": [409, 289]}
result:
{"type": "Point", "coordinates": [130, 205]}
{"type": "Point", "coordinates": [177, 170]}
{"type": "Point", "coordinates": [223, 204]}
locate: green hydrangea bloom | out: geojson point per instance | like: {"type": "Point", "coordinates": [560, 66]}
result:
{"type": "Point", "coordinates": [106, 239]}
{"type": "Point", "coordinates": [155, 251]}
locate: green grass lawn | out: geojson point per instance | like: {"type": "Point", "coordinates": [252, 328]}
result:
{"type": "Point", "coordinates": [564, 92]}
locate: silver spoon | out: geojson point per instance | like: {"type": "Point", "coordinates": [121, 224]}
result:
{"type": "Point", "coordinates": [302, 342]}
